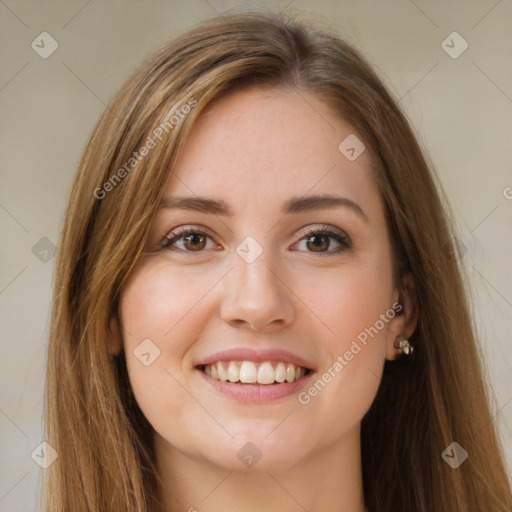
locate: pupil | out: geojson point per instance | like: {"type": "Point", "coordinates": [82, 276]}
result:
{"type": "Point", "coordinates": [320, 239]}
{"type": "Point", "coordinates": [193, 239]}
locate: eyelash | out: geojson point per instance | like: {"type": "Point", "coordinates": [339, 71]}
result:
{"type": "Point", "coordinates": [324, 230]}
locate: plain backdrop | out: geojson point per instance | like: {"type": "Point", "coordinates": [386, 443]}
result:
{"type": "Point", "coordinates": [460, 106]}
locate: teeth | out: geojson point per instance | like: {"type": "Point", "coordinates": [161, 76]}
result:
{"type": "Point", "coordinates": [280, 372]}
{"type": "Point", "coordinates": [266, 374]}
{"type": "Point", "coordinates": [223, 374]}
{"type": "Point", "coordinates": [233, 372]}
{"type": "Point", "coordinates": [249, 372]}
{"type": "Point", "coordinates": [290, 373]}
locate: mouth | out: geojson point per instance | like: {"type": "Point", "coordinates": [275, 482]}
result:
{"type": "Point", "coordinates": [266, 373]}
{"type": "Point", "coordinates": [256, 376]}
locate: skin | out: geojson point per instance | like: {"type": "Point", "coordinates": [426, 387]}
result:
{"type": "Point", "coordinates": [255, 149]}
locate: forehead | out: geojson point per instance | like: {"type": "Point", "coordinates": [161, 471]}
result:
{"type": "Point", "coordinates": [255, 146]}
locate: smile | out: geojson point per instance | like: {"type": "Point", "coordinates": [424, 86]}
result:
{"type": "Point", "coordinates": [249, 372]}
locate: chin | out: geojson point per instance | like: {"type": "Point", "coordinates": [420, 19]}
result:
{"type": "Point", "coordinates": [263, 451]}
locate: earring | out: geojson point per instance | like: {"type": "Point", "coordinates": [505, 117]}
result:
{"type": "Point", "coordinates": [404, 345]}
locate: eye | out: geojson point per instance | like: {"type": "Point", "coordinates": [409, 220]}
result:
{"type": "Point", "coordinates": [191, 239]}
{"type": "Point", "coordinates": [317, 240]}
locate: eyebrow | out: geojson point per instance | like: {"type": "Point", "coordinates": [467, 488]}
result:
{"type": "Point", "coordinates": [293, 205]}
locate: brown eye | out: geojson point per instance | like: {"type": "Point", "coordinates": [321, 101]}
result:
{"type": "Point", "coordinates": [187, 240]}
{"type": "Point", "coordinates": [318, 243]}
{"type": "Point", "coordinates": [325, 241]}
{"type": "Point", "coordinates": [194, 242]}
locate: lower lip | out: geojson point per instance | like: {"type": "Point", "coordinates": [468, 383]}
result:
{"type": "Point", "coordinates": [257, 392]}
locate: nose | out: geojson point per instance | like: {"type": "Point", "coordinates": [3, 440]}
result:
{"type": "Point", "coordinates": [255, 296]}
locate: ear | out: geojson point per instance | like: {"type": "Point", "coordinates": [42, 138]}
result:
{"type": "Point", "coordinates": [115, 343]}
{"type": "Point", "coordinates": [405, 320]}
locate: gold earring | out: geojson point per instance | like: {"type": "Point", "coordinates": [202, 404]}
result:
{"type": "Point", "coordinates": [404, 346]}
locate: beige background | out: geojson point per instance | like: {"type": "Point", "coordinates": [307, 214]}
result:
{"type": "Point", "coordinates": [461, 108]}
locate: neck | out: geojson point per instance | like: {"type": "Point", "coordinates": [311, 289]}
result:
{"type": "Point", "coordinates": [329, 480]}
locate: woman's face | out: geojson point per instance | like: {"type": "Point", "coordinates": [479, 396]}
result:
{"type": "Point", "coordinates": [252, 279]}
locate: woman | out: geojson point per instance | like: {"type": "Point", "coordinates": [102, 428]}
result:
{"type": "Point", "coordinates": [253, 292]}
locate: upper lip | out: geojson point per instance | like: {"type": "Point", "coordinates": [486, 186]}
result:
{"type": "Point", "coordinates": [257, 356]}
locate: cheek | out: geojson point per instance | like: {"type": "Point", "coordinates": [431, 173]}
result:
{"type": "Point", "coordinates": [161, 313]}
{"type": "Point", "coordinates": [159, 302]}
{"type": "Point", "coordinates": [157, 307]}
{"type": "Point", "coordinates": [347, 300]}
{"type": "Point", "coordinates": [350, 303]}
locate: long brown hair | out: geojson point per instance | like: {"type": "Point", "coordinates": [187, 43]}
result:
{"type": "Point", "coordinates": [437, 396]}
